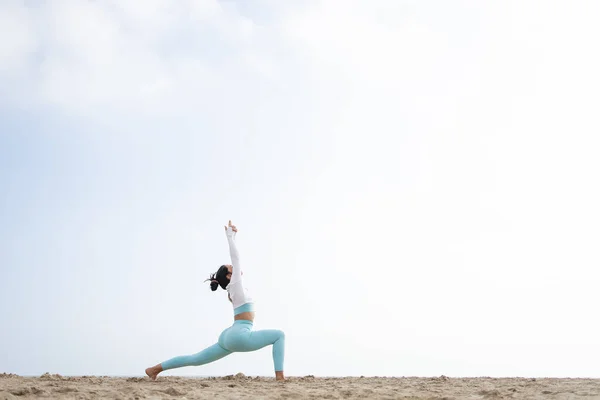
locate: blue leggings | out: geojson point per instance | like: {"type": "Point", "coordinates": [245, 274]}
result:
{"type": "Point", "coordinates": [237, 338]}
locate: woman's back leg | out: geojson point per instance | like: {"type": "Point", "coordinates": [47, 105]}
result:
{"type": "Point", "coordinates": [208, 355]}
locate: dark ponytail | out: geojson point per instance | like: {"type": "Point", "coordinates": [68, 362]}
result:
{"type": "Point", "coordinates": [219, 278]}
{"type": "Point", "coordinates": [213, 283]}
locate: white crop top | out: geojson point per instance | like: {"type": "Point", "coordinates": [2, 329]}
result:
{"type": "Point", "coordinates": [237, 292]}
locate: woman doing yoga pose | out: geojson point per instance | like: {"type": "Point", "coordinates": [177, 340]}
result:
{"type": "Point", "coordinates": [240, 336]}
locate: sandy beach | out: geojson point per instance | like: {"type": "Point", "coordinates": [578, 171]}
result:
{"type": "Point", "coordinates": [54, 386]}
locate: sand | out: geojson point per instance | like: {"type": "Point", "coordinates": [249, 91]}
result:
{"type": "Point", "coordinates": [308, 387]}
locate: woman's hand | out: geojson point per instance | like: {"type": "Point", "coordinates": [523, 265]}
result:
{"type": "Point", "coordinates": [233, 228]}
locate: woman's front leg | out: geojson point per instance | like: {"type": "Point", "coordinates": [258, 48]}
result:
{"type": "Point", "coordinates": [259, 339]}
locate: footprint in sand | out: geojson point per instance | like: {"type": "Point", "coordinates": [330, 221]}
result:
{"type": "Point", "coordinates": [66, 390]}
{"type": "Point", "coordinates": [172, 391]}
{"type": "Point", "coordinates": [7, 396]}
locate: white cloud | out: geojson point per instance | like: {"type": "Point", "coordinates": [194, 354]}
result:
{"type": "Point", "coordinates": [18, 43]}
{"type": "Point", "coordinates": [128, 57]}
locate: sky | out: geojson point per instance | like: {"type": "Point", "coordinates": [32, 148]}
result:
{"type": "Point", "coordinates": [415, 184]}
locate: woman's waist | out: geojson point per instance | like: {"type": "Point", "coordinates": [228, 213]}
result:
{"type": "Point", "coordinates": [246, 307]}
{"type": "Point", "coordinates": [244, 317]}
{"type": "Point", "coordinates": [244, 312]}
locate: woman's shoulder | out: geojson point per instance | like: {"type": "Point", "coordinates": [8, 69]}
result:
{"type": "Point", "coordinates": [234, 284]}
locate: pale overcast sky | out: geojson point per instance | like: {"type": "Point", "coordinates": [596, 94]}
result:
{"type": "Point", "coordinates": [415, 184]}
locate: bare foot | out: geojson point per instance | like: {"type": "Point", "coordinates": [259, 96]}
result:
{"type": "Point", "coordinates": [153, 372]}
{"type": "Point", "coordinates": [279, 376]}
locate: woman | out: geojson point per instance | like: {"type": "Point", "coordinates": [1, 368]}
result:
{"type": "Point", "coordinates": [239, 336]}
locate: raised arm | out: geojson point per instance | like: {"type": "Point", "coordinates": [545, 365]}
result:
{"type": "Point", "coordinates": [236, 275]}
